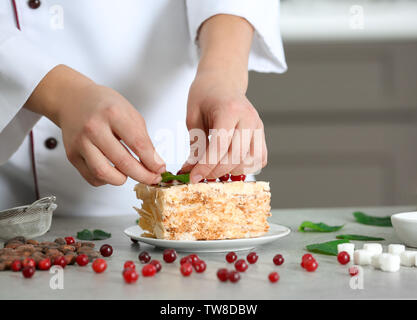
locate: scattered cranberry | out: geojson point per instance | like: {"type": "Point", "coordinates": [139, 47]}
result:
{"type": "Point", "coordinates": [211, 180]}
{"type": "Point", "coordinates": [252, 257]}
{"type": "Point", "coordinates": [70, 240]}
{"type": "Point", "coordinates": [99, 265]}
{"type": "Point", "coordinates": [82, 260]}
{"type": "Point", "coordinates": [60, 261]}
{"type": "Point", "coordinates": [194, 258]}
{"type": "Point", "coordinates": [129, 265]}
{"type": "Point", "coordinates": [44, 264]}
{"type": "Point", "coordinates": [130, 275]}
{"type": "Point", "coordinates": [185, 260]}
{"type": "Point", "coordinates": [169, 255]}
{"type": "Point", "coordinates": [278, 259]}
{"type": "Point", "coordinates": [157, 265]}
{"type": "Point", "coordinates": [240, 177]}
{"type": "Point", "coordinates": [28, 262]}
{"type": "Point", "coordinates": [234, 276]}
{"type": "Point", "coordinates": [353, 271]}
{"type": "Point", "coordinates": [144, 257]}
{"type": "Point", "coordinates": [106, 250]}
{"type": "Point", "coordinates": [311, 265]}
{"type": "Point", "coordinates": [307, 257]}
{"type": "Point", "coordinates": [16, 265]}
{"type": "Point", "coordinates": [223, 274]}
{"type": "Point", "coordinates": [231, 257]}
{"type": "Point", "coordinates": [241, 265]}
{"type": "Point", "coordinates": [148, 270]}
{"type": "Point", "coordinates": [200, 266]}
{"type": "Point", "coordinates": [343, 257]}
{"type": "Point", "coordinates": [273, 277]}
{"type": "Point", "coordinates": [186, 269]}
{"type": "Point", "coordinates": [224, 178]}
{"type": "Point", "coordinates": [28, 271]}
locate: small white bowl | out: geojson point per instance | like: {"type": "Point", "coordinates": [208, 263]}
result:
{"type": "Point", "coordinates": [405, 226]}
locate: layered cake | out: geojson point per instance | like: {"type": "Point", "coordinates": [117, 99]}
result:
{"type": "Point", "coordinates": [204, 211]}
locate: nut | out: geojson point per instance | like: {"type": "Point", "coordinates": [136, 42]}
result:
{"type": "Point", "coordinates": [60, 241]}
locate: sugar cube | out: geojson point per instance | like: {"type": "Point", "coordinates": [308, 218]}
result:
{"type": "Point", "coordinates": [396, 248]}
{"type": "Point", "coordinates": [390, 262]}
{"type": "Point", "coordinates": [348, 247]}
{"type": "Point", "coordinates": [362, 257]}
{"type": "Point", "coordinates": [375, 261]}
{"type": "Point", "coordinates": [374, 248]}
{"type": "Point", "coordinates": [408, 258]}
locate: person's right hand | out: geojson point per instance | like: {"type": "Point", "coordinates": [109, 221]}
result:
{"type": "Point", "coordinates": [96, 122]}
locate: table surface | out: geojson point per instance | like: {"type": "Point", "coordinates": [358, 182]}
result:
{"type": "Point", "coordinates": [330, 281]}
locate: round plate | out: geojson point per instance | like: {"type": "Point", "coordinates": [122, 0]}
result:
{"type": "Point", "coordinates": [275, 232]}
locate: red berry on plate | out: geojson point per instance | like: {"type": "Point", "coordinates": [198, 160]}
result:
{"type": "Point", "coordinates": [224, 178]}
{"type": "Point", "coordinates": [69, 240]}
{"type": "Point", "coordinates": [157, 265]}
{"type": "Point", "coordinates": [353, 271]}
{"type": "Point", "coordinates": [148, 270]}
{"type": "Point", "coordinates": [241, 265]}
{"type": "Point", "coordinates": [28, 271]}
{"type": "Point", "coordinates": [211, 179]}
{"type": "Point", "coordinates": [106, 250]}
{"type": "Point", "coordinates": [130, 275]}
{"type": "Point", "coordinates": [200, 266]}
{"type": "Point", "coordinates": [194, 258]}
{"type": "Point", "coordinates": [343, 257]}
{"type": "Point", "coordinates": [82, 260]}
{"type": "Point", "coordinates": [234, 276]}
{"type": "Point", "coordinates": [44, 264]}
{"type": "Point", "coordinates": [99, 265]}
{"type": "Point", "coordinates": [16, 265]}
{"type": "Point", "coordinates": [231, 257]}
{"type": "Point", "coordinates": [28, 262]}
{"type": "Point", "coordinates": [273, 277]}
{"type": "Point", "coordinates": [186, 269]}
{"type": "Point", "coordinates": [129, 265]}
{"type": "Point", "coordinates": [144, 257]}
{"type": "Point", "coordinates": [252, 257]}
{"type": "Point", "coordinates": [169, 255]}
{"type": "Point", "coordinates": [223, 274]}
{"type": "Point", "coordinates": [278, 259]}
{"type": "Point", "coordinates": [240, 177]}
{"type": "Point", "coordinates": [311, 265]}
{"type": "Point", "coordinates": [60, 261]}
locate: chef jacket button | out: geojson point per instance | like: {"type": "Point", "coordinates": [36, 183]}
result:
{"type": "Point", "coordinates": [34, 4]}
{"type": "Point", "coordinates": [51, 143]}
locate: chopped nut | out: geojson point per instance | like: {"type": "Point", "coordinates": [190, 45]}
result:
{"type": "Point", "coordinates": [60, 241]}
{"type": "Point", "coordinates": [31, 241]}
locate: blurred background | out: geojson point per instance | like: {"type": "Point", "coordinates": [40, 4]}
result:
{"type": "Point", "coordinates": [341, 123]}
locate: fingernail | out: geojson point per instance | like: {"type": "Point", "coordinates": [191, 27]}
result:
{"type": "Point", "coordinates": [157, 180]}
{"type": "Point", "coordinates": [197, 178]}
{"type": "Point", "coordinates": [162, 169]}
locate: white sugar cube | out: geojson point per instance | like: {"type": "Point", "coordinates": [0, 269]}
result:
{"type": "Point", "coordinates": [375, 261]}
{"type": "Point", "coordinates": [362, 257]}
{"type": "Point", "coordinates": [348, 247]}
{"type": "Point", "coordinates": [408, 258]}
{"type": "Point", "coordinates": [390, 262]}
{"type": "Point", "coordinates": [396, 248]}
{"type": "Point", "coordinates": [374, 248]}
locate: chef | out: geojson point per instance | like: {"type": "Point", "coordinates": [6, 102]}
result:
{"type": "Point", "coordinates": [98, 95]}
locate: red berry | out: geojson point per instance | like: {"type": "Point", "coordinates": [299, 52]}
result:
{"type": "Point", "coordinates": [231, 257]}
{"type": "Point", "coordinates": [144, 257]}
{"type": "Point", "coordinates": [224, 178]}
{"type": "Point", "coordinates": [82, 260]}
{"type": "Point", "coordinates": [273, 276]}
{"type": "Point", "coordinates": [28, 262]}
{"type": "Point", "coordinates": [194, 258]}
{"type": "Point", "coordinates": [353, 271]}
{"type": "Point", "coordinates": [252, 257]}
{"type": "Point", "coordinates": [99, 265]}
{"type": "Point", "coordinates": [60, 261]}
{"type": "Point", "coordinates": [234, 276]}
{"type": "Point", "coordinates": [211, 179]}
{"type": "Point", "coordinates": [343, 257]}
{"type": "Point", "coordinates": [70, 240]}
{"type": "Point", "coordinates": [28, 271]}
{"type": "Point", "coordinates": [169, 255]}
{"type": "Point", "coordinates": [157, 265]}
{"type": "Point", "coordinates": [223, 274]}
{"type": "Point", "coordinates": [307, 257]}
{"type": "Point", "coordinates": [200, 266]}
{"type": "Point", "coordinates": [106, 250]}
{"type": "Point", "coordinates": [148, 270]}
{"type": "Point", "coordinates": [129, 265]}
{"type": "Point", "coordinates": [44, 264]}
{"type": "Point", "coordinates": [130, 275]}
{"type": "Point", "coordinates": [202, 180]}
{"type": "Point", "coordinates": [186, 269]}
{"type": "Point", "coordinates": [278, 259]}
{"type": "Point", "coordinates": [16, 265]}
{"type": "Point", "coordinates": [240, 177]}
{"type": "Point", "coordinates": [241, 265]}
{"type": "Point", "coordinates": [185, 260]}
{"type": "Point", "coordinates": [311, 265]}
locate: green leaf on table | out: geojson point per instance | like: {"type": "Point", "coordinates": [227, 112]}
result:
{"type": "Point", "coordinates": [317, 227]}
{"type": "Point", "coordinates": [93, 235]}
{"type": "Point", "coordinates": [85, 235]}
{"type": "Point", "coordinates": [372, 221]}
{"type": "Point", "coordinates": [358, 237]}
{"type": "Point", "coordinates": [168, 177]}
{"type": "Point", "coordinates": [328, 248]}
{"type": "Point", "coordinates": [101, 235]}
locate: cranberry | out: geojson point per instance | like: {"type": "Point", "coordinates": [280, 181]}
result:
{"type": "Point", "coordinates": [148, 270]}
{"type": "Point", "coordinates": [28, 262]}
{"type": "Point", "coordinates": [44, 264]}
{"type": "Point", "coordinates": [157, 265]}
{"type": "Point", "coordinates": [99, 265]}
{"type": "Point", "coordinates": [273, 277]}
{"type": "Point", "coordinates": [241, 265]}
{"type": "Point", "coordinates": [278, 259]}
{"type": "Point", "coordinates": [211, 179]}
{"type": "Point", "coordinates": [106, 250]}
{"type": "Point", "coordinates": [194, 258]}
{"type": "Point", "coordinates": [202, 180]}
{"type": "Point", "coordinates": [353, 271]}
{"type": "Point", "coordinates": [129, 265]}
{"type": "Point", "coordinates": [28, 271]}
{"type": "Point", "coordinates": [252, 257]}
{"type": "Point", "coordinates": [16, 265]}
{"type": "Point", "coordinates": [186, 269]}
{"type": "Point", "coordinates": [185, 260]}
{"type": "Point", "coordinates": [224, 178]}
{"type": "Point", "coordinates": [234, 276]}
{"type": "Point", "coordinates": [240, 177]}
{"type": "Point", "coordinates": [223, 274]}
{"type": "Point", "coordinates": [169, 255]}
{"type": "Point", "coordinates": [200, 266]}
{"type": "Point", "coordinates": [70, 240]}
{"type": "Point", "coordinates": [231, 257]}
{"type": "Point", "coordinates": [60, 261]}
{"type": "Point", "coordinates": [311, 265]}
{"type": "Point", "coordinates": [144, 257]}
{"type": "Point", "coordinates": [307, 257]}
{"type": "Point", "coordinates": [82, 260]}
{"type": "Point", "coordinates": [343, 257]}
{"type": "Point", "coordinates": [130, 275]}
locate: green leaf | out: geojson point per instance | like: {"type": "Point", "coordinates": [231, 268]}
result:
{"type": "Point", "coordinates": [372, 221]}
{"type": "Point", "coordinates": [101, 235]}
{"type": "Point", "coordinates": [328, 248]}
{"type": "Point", "coordinates": [358, 237]}
{"type": "Point", "coordinates": [93, 235]}
{"type": "Point", "coordinates": [168, 176]}
{"type": "Point", "coordinates": [85, 235]}
{"type": "Point", "coordinates": [318, 227]}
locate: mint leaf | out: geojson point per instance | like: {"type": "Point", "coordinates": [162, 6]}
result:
{"type": "Point", "coordinates": [101, 235]}
{"type": "Point", "coordinates": [358, 237]}
{"type": "Point", "coordinates": [317, 227]}
{"type": "Point", "coordinates": [372, 221]}
{"type": "Point", "coordinates": [85, 235]}
{"type": "Point", "coordinates": [93, 235]}
{"type": "Point", "coordinates": [328, 248]}
{"type": "Point", "coordinates": [168, 176]}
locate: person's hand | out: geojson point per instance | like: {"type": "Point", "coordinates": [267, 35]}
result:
{"type": "Point", "coordinates": [96, 122]}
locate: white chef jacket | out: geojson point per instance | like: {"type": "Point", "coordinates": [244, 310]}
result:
{"type": "Point", "coordinates": [144, 49]}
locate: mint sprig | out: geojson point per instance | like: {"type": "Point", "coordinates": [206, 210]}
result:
{"type": "Point", "coordinates": [317, 227]}
{"type": "Point", "coordinates": [168, 177]}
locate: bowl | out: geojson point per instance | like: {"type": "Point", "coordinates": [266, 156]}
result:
{"type": "Point", "coordinates": [405, 226]}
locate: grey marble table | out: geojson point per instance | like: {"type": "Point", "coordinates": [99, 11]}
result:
{"type": "Point", "coordinates": [330, 281]}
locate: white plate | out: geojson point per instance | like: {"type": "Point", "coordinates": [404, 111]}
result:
{"type": "Point", "coordinates": [275, 232]}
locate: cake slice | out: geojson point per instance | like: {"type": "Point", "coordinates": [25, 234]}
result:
{"type": "Point", "coordinates": [204, 211]}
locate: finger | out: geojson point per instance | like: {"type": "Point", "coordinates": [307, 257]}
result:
{"type": "Point", "coordinates": [85, 172]}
